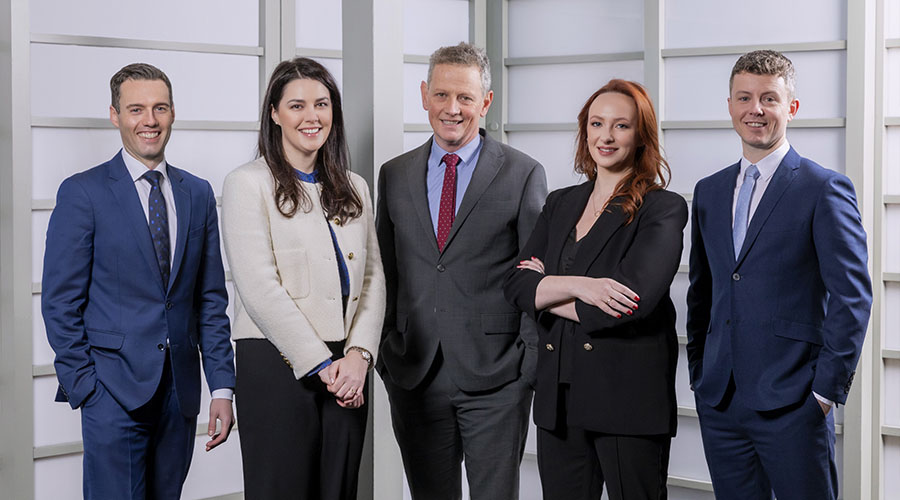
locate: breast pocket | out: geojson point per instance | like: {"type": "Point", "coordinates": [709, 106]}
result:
{"type": "Point", "coordinates": [293, 268]}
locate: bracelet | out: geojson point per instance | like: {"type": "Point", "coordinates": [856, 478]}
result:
{"type": "Point", "coordinates": [366, 355]}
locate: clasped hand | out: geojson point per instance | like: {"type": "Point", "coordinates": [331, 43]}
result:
{"type": "Point", "coordinates": [346, 378]}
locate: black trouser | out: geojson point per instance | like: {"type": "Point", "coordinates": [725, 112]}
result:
{"type": "Point", "coordinates": [296, 442]}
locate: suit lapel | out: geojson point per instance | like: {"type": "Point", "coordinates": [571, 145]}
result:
{"type": "Point", "coordinates": [592, 244]}
{"type": "Point", "coordinates": [415, 176]}
{"type": "Point", "coordinates": [782, 178]}
{"type": "Point", "coordinates": [720, 216]}
{"type": "Point", "coordinates": [122, 186]}
{"type": "Point", "coordinates": [490, 161]}
{"type": "Point", "coordinates": [183, 207]}
{"type": "Point", "coordinates": [570, 211]}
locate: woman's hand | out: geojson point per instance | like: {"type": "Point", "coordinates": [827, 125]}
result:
{"type": "Point", "coordinates": [534, 264]}
{"type": "Point", "coordinates": [608, 295]}
{"type": "Point", "coordinates": [349, 375]}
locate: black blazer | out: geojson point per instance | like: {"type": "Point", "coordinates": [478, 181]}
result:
{"type": "Point", "coordinates": [624, 370]}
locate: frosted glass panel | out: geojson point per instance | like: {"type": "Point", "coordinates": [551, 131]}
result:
{"type": "Point", "coordinates": [825, 146]}
{"type": "Point", "coordinates": [58, 478]}
{"type": "Point", "coordinates": [205, 86]}
{"type": "Point", "coordinates": [319, 24]}
{"type": "Point", "coordinates": [412, 140]}
{"type": "Point", "coordinates": [891, 464]}
{"type": "Point", "coordinates": [413, 76]}
{"type": "Point", "coordinates": [201, 21]}
{"type": "Point", "coordinates": [335, 67]}
{"type": "Point", "coordinates": [217, 473]}
{"type": "Point", "coordinates": [39, 221]}
{"type": "Point", "coordinates": [892, 239]}
{"type": "Point", "coordinates": [891, 400]}
{"type": "Point", "coordinates": [892, 18]}
{"type": "Point", "coordinates": [41, 353]}
{"type": "Point", "coordinates": [54, 423]}
{"type": "Point", "coordinates": [891, 164]}
{"type": "Point", "coordinates": [554, 150]}
{"type": "Point", "coordinates": [555, 93]}
{"type": "Point", "coordinates": [697, 87]}
{"type": "Point", "coordinates": [686, 458]}
{"type": "Point", "coordinates": [431, 24]}
{"type": "Point", "coordinates": [892, 316]}
{"type": "Point", "coordinates": [566, 27]}
{"type": "Point", "coordinates": [678, 293]}
{"type": "Point", "coordinates": [699, 23]}
{"type": "Point", "coordinates": [695, 154]}
{"type": "Point", "coordinates": [892, 82]}
{"type": "Point", "coordinates": [683, 393]}
{"type": "Point", "coordinates": [211, 155]}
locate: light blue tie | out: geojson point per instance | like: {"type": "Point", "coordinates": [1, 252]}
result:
{"type": "Point", "coordinates": [742, 210]}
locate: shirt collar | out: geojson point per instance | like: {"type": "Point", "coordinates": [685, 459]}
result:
{"type": "Point", "coordinates": [465, 153]}
{"type": "Point", "coordinates": [137, 169]}
{"type": "Point", "coordinates": [769, 164]}
{"type": "Point", "coordinates": [310, 178]}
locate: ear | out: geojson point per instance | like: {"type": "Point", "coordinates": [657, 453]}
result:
{"type": "Point", "coordinates": [424, 88]}
{"type": "Point", "coordinates": [114, 117]}
{"type": "Point", "coordinates": [486, 104]}
{"type": "Point", "coordinates": [273, 114]}
{"type": "Point", "coordinates": [794, 107]}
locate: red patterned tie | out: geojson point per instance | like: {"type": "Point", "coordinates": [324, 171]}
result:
{"type": "Point", "coordinates": [447, 212]}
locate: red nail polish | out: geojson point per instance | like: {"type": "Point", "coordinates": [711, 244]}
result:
{"type": "Point", "coordinates": [618, 315]}
{"type": "Point", "coordinates": [629, 313]}
{"type": "Point", "coordinates": [635, 307]}
{"type": "Point", "coordinates": [637, 298]}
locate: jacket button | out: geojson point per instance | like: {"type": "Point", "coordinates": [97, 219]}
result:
{"type": "Point", "coordinates": [549, 347]}
{"type": "Point", "coordinates": [355, 299]}
{"type": "Point", "coordinates": [169, 305]}
{"type": "Point", "coordinates": [337, 221]}
{"type": "Point", "coordinates": [441, 268]}
{"type": "Point", "coordinates": [736, 277]}
{"type": "Point", "coordinates": [350, 256]}
{"type": "Point", "coordinates": [161, 347]}
{"type": "Point", "coordinates": [588, 347]}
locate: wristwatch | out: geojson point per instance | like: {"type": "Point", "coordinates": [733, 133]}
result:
{"type": "Point", "coordinates": [366, 355]}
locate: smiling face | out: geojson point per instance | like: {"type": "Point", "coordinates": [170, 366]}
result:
{"type": "Point", "coordinates": [761, 107]}
{"type": "Point", "coordinates": [611, 135]}
{"type": "Point", "coordinates": [144, 119]}
{"type": "Point", "coordinates": [304, 115]}
{"type": "Point", "coordinates": [455, 102]}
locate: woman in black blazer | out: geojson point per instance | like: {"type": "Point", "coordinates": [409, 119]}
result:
{"type": "Point", "coordinates": [595, 275]}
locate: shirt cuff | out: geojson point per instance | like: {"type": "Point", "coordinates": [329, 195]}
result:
{"type": "Point", "coordinates": [224, 393]}
{"type": "Point", "coordinates": [322, 366]}
{"type": "Point", "coordinates": [823, 400]}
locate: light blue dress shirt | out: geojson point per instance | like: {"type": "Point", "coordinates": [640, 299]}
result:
{"type": "Point", "coordinates": [434, 177]}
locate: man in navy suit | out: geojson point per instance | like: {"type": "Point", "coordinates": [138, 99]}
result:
{"type": "Point", "coordinates": [133, 292]}
{"type": "Point", "coordinates": [778, 302]}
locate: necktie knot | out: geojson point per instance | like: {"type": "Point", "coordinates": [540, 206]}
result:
{"type": "Point", "coordinates": [751, 173]}
{"type": "Point", "coordinates": [153, 177]}
{"type": "Point", "coordinates": [451, 160]}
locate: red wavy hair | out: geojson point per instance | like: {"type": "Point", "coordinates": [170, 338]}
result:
{"type": "Point", "coordinates": [650, 170]}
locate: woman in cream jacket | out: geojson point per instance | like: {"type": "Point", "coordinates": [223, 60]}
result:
{"type": "Point", "coordinates": [300, 239]}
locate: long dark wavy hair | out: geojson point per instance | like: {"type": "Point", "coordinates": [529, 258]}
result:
{"type": "Point", "coordinates": [339, 198]}
{"type": "Point", "coordinates": [650, 170]}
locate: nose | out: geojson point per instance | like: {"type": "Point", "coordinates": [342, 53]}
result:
{"type": "Point", "coordinates": [311, 114]}
{"type": "Point", "coordinates": [149, 118]}
{"type": "Point", "coordinates": [756, 108]}
{"type": "Point", "coordinates": [453, 107]}
{"type": "Point", "coordinates": [606, 135]}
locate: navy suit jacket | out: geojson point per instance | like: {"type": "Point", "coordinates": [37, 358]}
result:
{"type": "Point", "coordinates": [106, 310]}
{"type": "Point", "coordinates": [789, 313]}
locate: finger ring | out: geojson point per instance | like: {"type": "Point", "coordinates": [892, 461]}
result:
{"type": "Point", "coordinates": [609, 301]}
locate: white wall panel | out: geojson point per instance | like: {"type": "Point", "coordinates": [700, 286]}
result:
{"type": "Point", "coordinates": [58, 153]}
{"type": "Point", "coordinates": [58, 478]}
{"type": "Point", "coordinates": [39, 222]}
{"type": "Point", "coordinates": [319, 24]}
{"type": "Point", "coordinates": [529, 478]}
{"type": "Point", "coordinates": [678, 293]}
{"type": "Point", "coordinates": [412, 140]}
{"type": "Point", "coordinates": [413, 76]}
{"type": "Point", "coordinates": [687, 458]}
{"type": "Point", "coordinates": [699, 23]}
{"type": "Point", "coordinates": [676, 493]}
{"type": "Point", "coordinates": [54, 423]}
{"type": "Point", "coordinates": [825, 146]}
{"type": "Point", "coordinates": [892, 18]}
{"type": "Point", "coordinates": [200, 21]}
{"type": "Point", "coordinates": [891, 389]}
{"type": "Point", "coordinates": [431, 24]}
{"type": "Point", "coordinates": [555, 93]}
{"type": "Point", "coordinates": [218, 472]}
{"type": "Point", "coordinates": [891, 168]}
{"type": "Point", "coordinates": [336, 68]}
{"type": "Point", "coordinates": [205, 86]}
{"type": "Point", "coordinates": [567, 27]}
{"type": "Point", "coordinates": [41, 352]}
{"type": "Point", "coordinates": [892, 239]}
{"type": "Point", "coordinates": [683, 393]}
{"type": "Point", "coordinates": [890, 466]}
{"type": "Point", "coordinates": [892, 82]}
{"type": "Point", "coordinates": [211, 155]}
{"type": "Point", "coordinates": [695, 154]}
{"type": "Point", "coordinates": [554, 150]}
{"type": "Point", "coordinates": [697, 87]}
{"type": "Point", "coordinates": [891, 335]}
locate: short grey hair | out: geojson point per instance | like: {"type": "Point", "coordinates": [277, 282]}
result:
{"type": "Point", "coordinates": [765, 62]}
{"type": "Point", "coordinates": [136, 71]}
{"type": "Point", "coordinates": [464, 54]}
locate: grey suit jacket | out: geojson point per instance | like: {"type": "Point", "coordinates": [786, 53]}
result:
{"type": "Point", "coordinates": [454, 299]}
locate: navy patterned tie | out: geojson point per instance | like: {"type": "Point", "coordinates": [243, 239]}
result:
{"type": "Point", "coordinates": [159, 224]}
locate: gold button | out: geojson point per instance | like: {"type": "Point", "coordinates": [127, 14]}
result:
{"type": "Point", "coordinates": [588, 347]}
{"type": "Point", "coordinates": [286, 360]}
{"type": "Point", "coordinates": [549, 347]}
{"type": "Point", "coordinates": [350, 255]}
{"type": "Point", "coordinates": [337, 221]}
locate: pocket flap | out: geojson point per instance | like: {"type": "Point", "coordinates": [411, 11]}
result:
{"type": "Point", "coordinates": [501, 323]}
{"type": "Point", "coordinates": [798, 331]}
{"type": "Point", "coordinates": [105, 339]}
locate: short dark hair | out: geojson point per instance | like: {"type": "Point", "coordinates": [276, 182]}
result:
{"type": "Point", "coordinates": [463, 54]}
{"type": "Point", "coordinates": [765, 62]}
{"type": "Point", "coordinates": [136, 71]}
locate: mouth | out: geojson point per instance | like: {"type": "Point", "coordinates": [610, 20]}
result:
{"type": "Point", "coordinates": [151, 134]}
{"type": "Point", "coordinates": [607, 151]}
{"type": "Point", "coordinates": [755, 124]}
{"type": "Point", "coordinates": [451, 123]}
{"type": "Point", "coordinates": [310, 132]}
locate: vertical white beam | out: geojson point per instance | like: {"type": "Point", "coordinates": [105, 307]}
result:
{"type": "Point", "coordinates": [654, 66]}
{"type": "Point", "coordinates": [373, 91]}
{"type": "Point", "coordinates": [269, 40]}
{"type": "Point", "coordinates": [289, 29]}
{"type": "Point", "coordinates": [16, 384]}
{"type": "Point", "coordinates": [478, 22]}
{"type": "Point", "coordinates": [859, 138]}
{"type": "Point", "coordinates": [497, 34]}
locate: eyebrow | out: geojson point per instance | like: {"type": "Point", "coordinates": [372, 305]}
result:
{"type": "Point", "coordinates": [618, 118]}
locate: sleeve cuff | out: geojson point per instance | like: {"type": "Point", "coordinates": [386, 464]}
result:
{"type": "Point", "coordinates": [224, 393]}
{"type": "Point", "coordinates": [317, 369]}
{"type": "Point", "coordinates": [823, 399]}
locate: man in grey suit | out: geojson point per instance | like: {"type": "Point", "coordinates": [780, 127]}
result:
{"type": "Point", "coordinates": [456, 358]}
